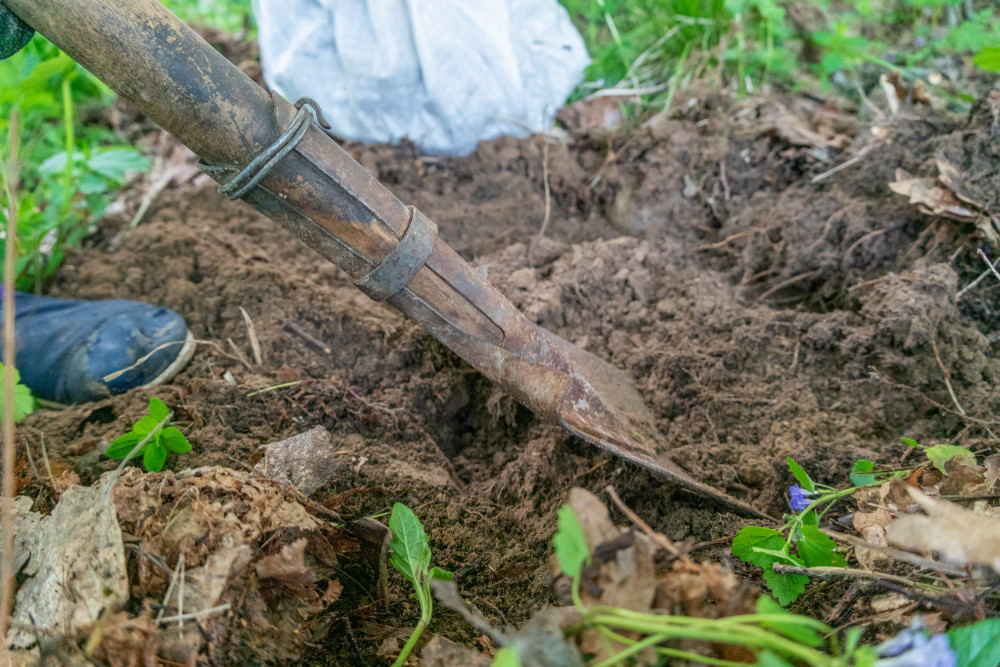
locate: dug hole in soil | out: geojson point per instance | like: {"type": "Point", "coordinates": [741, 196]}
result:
{"type": "Point", "coordinates": [760, 314]}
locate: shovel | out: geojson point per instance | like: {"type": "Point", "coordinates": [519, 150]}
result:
{"type": "Point", "coordinates": [276, 156]}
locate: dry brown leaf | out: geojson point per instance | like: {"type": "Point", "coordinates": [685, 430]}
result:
{"type": "Point", "coordinates": [203, 589]}
{"type": "Point", "coordinates": [333, 592]}
{"type": "Point", "coordinates": [960, 535]}
{"type": "Point", "coordinates": [992, 474]}
{"type": "Point", "coordinates": [930, 197]}
{"type": "Point", "coordinates": [76, 569]}
{"type": "Point", "coordinates": [127, 641]}
{"type": "Point", "coordinates": [198, 512]}
{"type": "Point", "coordinates": [950, 176]}
{"type": "Point", "coordinates": [871, 526]}
{"type": "Point", "coordinates": [781, 122]}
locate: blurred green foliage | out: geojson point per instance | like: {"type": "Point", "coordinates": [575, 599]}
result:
{"type": "Point", "coordinates": [649, 45]}
{"type": "Point", "coordinates": [59, 198]}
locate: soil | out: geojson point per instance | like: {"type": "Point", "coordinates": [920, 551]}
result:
{"type": "Point", "coordinates": [763, 313]}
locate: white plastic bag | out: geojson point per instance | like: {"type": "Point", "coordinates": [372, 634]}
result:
{"type": "Point", "coordinates": [445, 73]}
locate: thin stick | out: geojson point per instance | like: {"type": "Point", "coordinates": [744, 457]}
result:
{"type": "Point", "coordinates": [292, 326]}
{"type": "Point", "coordinates": [898, 554]}
{"type": "Point", "coordinates": [10, 255]}
{"type": "Point", "coordinates": [846, 572]}
{"type": "Point", "coordinates": [722, 177]}
{"type": "Point", "coordinates": [990, 264]}
{"type": "Point", "coordinates": [974, 283]}
{"type": "Point", "coordinates": [830, 172]}
{"type": "Point", "coordinates": [637, 520]}
{"type": "Point", "coordinates": [180, 592]}
{"type": "Point", "coordinates": [170, 588]}
{"type": "Point", "coordinates": [195, 614]}
{"type": "Point", "coordinates": [548, 200]}
{"type": "Point", "coordinates": [252, 334]}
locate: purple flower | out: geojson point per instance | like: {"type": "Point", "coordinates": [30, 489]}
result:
{"type": "Point", "coordinates": [918, 42]}
{"type": "Point", "coordinates": [913, 648]}
{"type": "Point", "coordinates": [800, 497]}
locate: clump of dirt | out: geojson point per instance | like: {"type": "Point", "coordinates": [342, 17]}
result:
{"type": "Point", "coordinates": [764, 307]}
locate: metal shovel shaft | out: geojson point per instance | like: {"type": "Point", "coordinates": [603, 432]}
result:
{"type": "Point", "coordinates": [321, 195]}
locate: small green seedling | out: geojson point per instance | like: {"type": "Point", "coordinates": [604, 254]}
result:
{"type": "Point", "coordinates": [24, 402]}
{"type": "Point", "coordinates": [411, 555]}
{"type": "Point", "coordinates": [160, 438]}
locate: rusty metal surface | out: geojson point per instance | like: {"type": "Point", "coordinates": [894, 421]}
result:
{"type": "Point", "coordinates": [399, 267]}
{"type": "Point", "coordinates": [323, 197]}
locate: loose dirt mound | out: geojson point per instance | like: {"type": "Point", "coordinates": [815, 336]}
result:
{"type": "Point", "coordinates": [761, 314]}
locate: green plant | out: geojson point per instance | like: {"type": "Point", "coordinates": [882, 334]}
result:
{"type": "Point", "coordinates": [411, 555]}
{"type": "Point", "coordinates": [653, 47]}
{"type": "Point", "coordinates": [776, 636]}
{"type": "Point", "coordinates": [24, 402]}
{"type": "Point", "coordinates": [232, 16]}
{"type": "Point", "coordinates": [765, 547]}
{"type": "Point", "coordinates": [154, 436]}
{"type": "Point", "coordinates": [68, 173]}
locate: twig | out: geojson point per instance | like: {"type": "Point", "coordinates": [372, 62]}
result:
{"type": "Point", "coordinates": [10, 257]}
{"type": "Point", "coordinates": [947, 381]}
{"type": "Point", "coordinates": [293, 327]}
{"type": "Point", "coordinates": [48, 466]}
{"type": "Point", "coordinates": [722, 177]}
{"type": "Point", "coordinates": [898, 554]}
{"type": "Point", "coordinates": [170, 587]}
{"type": "Point", "coordinates": [787, 283]}
{"type": "Point", "coordinates": [830, 172]}
{"type": "Point", "coordinates": [951, 391]}
{"type": "Point", "coordinates": [180, 591]}
{"type": "Point", "coordinates": [728, 239]}
{"type": "Point", "coordinates": [252, 334]}
{"type": "Point", "coordinates": [239, 355]}
{"type": "Point", "coordinates": [845, 572]}
{"type": "Point", "coordinates": [990, 264]}
{"type": "Point", "coordinates": [974, 283]}
{"type": "Point", "coordinates": [195, 614]}
{"type": "Point", "coordinates": [670, 547]}
{"type": "Point", "coordinates": [548, 201]}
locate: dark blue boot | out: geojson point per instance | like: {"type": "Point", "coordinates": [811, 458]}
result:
{"type": "Point", "coordinates": [65, 347]}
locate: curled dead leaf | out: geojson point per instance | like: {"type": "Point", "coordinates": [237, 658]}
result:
{"type": "Point", "coordinates": [959, 535]}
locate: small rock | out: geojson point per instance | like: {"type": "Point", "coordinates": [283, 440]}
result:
{"type": "Point", "coordinates": [306, 461]}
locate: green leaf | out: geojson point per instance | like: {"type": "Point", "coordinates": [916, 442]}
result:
{"type": "Point", "coordinates": [24, 402]}
{"type": "Point", "coordinates": [153, 457]}
{"type": "Point", "coordinates": [768, 658]}
{"type": "Point", "coordinates": [858, 473]}
{"type": "Point", "coordinates": [793, 628]}
{"type": "Point", "coordinates": [800, 476]}
{"type": "Point", "coordinates": [751, 538]}
{"type": "Point", "coordinates": [570, 544]}
{"type": "Point", "coordinates": [411, 553]}
{"type": "Point", "coordinates": [977, 645]}
{"type": "Point", "coordinates": [506, 657]}
{"type": "Point", "coordinates": [172, 438]}
{"type": "Point", "coordinates": [786, 587]}
{"type": "Point", "coordinates": [157, 410]}
{"type": "Point", "coordinates": [988, 59]}
{"type": "Point", "coordinates": [439, 574]}
{"type": "Point", "coordinates": [146, 425]}
{"type": "Point", "coordinates": [114, 162]}
{"type": "Point", "coordinates": [122, 445]}
{"type": "Point", "coordinates": [911, 442]}
{"type": "Point", "coordinates": [941, 454]}
{"type": "Point", "coordinates": [817, 549]}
